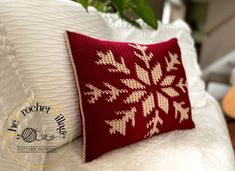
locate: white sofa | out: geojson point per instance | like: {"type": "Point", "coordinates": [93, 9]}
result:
{"type": "Point", "coordinates": [205, 148]}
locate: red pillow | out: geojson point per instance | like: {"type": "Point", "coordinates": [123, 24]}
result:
{"type": "Point", "coordinates": [127, 91]}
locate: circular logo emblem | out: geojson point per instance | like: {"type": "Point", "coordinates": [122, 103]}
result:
{"type": "Point", "coordinates": [34, 132]}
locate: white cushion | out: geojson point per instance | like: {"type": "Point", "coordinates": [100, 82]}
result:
{"type": "Point", "coordinates": [37, 29]}
{"type": "Point", "coordinates": [123, 31]}
{"type": "Point", "coordinates": [222, 66]}
{"type": "Point", "coordinates": [217, 90]}
{"type": "Point", "coordinates": [13, 91]}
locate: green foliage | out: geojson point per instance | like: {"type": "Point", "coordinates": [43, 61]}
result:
{"type": "Point", "coordinates": [99, 5]}
{"type": "Point", "coordinates": [84, 3]}
{"type": "Point", "coordinates": [122, 6]}
{"type": "Point", "coordinates": [125, 8]}
{"type": "Point", "coordinates": [143, 9]}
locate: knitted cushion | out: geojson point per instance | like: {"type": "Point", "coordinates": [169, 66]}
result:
{"type": "Point", "coordinates": [123, 31]}
{"type": "Point", "coordinates": [128, 92]}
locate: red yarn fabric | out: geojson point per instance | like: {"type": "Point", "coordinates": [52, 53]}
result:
{"type": "Point", "coordinates": [128, 92]}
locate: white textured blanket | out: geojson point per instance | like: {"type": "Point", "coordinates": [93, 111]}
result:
{"type": "Point", "coordinates": [205, 148]}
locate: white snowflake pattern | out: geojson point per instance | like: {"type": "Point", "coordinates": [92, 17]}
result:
{"type": "Point", "coordinates": [140, 89]}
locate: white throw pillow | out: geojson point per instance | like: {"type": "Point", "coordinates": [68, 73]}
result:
{"type": "Point", "coordinates": [13, 92]}
{"type": "Point", "coordinates": [13, 89]}
{"type": "Point", "coordinates": [36, 28]}
{"type": "Point", "coordinates": [123, 31]}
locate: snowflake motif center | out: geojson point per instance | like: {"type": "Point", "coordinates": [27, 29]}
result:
{"type": "Point", "coordinates": [150, 88]}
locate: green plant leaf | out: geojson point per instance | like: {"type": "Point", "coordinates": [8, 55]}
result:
{"type": "Point", "coordinates": [121, 6]}
{"type": "Point", "coordinates": [143, 9]}
{"type": "Point", "coordinates": [133, 22]}
{"type": "Point", "coordinates": [85, 3]}
{"type": "Point", "coordinates": [99, 5]}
